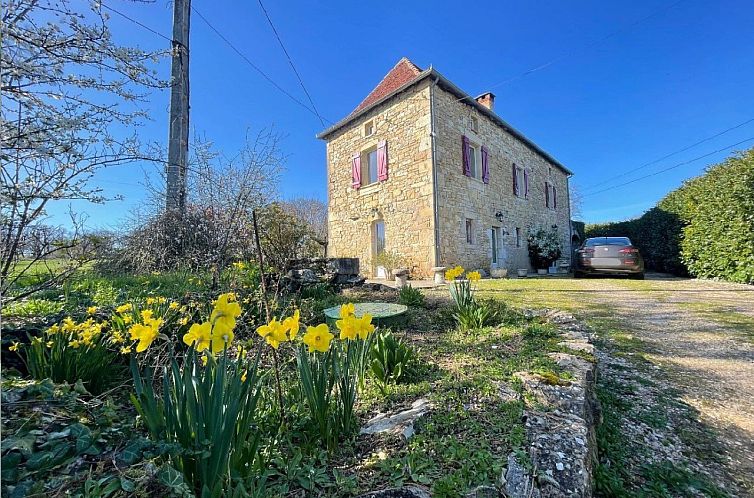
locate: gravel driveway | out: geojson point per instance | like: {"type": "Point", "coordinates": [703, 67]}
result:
{"type": "Point", "coordinates": [701, 336]}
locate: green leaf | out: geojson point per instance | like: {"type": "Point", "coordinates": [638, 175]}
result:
{"type": "Point", "coordinates": [9, 465]}
{"type": "Point", "coordinates": [127, 486]}
{"type": "Point", "coordinates": [170, 477]}
{"type": "Point", "coordinates": [39, 460]}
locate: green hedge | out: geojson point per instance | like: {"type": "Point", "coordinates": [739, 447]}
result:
{"type": "Point", "coordinates": [704, 228]}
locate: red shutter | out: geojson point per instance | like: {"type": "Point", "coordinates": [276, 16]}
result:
{"type": "Point", "coordinates": [485, 166]}
{"type": "Point", "coordinates": [466, 155]}
{"type": "Point", "coordinates": [382, 161]}
{"type": "Point", "coordinates": [356, 171]}
{"type": "Point", "coordinates": [515, 180]}
{"type": "Point", "coordinates": [554, 198]}
{"type": "Point", "coordinates": [526, 184]}
{"type": "Point", "coordinates": [547, 194]}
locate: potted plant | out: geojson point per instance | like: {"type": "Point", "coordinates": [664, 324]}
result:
{"type": "Point", "coordinates": [544, 248]}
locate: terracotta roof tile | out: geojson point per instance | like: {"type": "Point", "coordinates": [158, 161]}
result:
{"type": "Point", "coordinates": [402, 73]}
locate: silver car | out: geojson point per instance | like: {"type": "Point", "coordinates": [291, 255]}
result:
{"type": "Point", "coordinates": [609, 255]}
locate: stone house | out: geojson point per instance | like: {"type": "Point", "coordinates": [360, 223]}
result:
{"type": "Point", "coordinates": [423, 171]}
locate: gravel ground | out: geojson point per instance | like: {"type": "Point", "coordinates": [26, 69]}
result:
{"type": "Point", "coordinates": [698, 357]}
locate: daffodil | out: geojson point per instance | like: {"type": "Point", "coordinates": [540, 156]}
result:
{"type": "Point", "coordinates": [68, 324]}
{"type": "Point", "coordinates": [125, 350]}
{"type": "Point", "coordinates": [91, 310]}
{"type": "Point", "coordinates": [347, 310]}
{"type": "Point", "coordinates": [123, 308]}
{"type": "Point", "coordinates": [318, 338]}
{"type": "Point", "coordinates": [274, 333]}
{"type": "Point", "coordinates": [243, 376]}
{"type": "Point", "coordinates": [183, 321]}
{"type": "Point", "coordinates": [292, 324]}
{"type": "Point", "coordinates": [174, 306]}
{"type": "Point", "coordinates": [222, 336]}
{"type": "Point", "coordinates": [347, 327]}
{"type": "Point", "coordinates": [226, 310]}
{"type": "Point", "coordinates": [36, 340]}
{"type": "Point", "coordinates": [239, 265]}
{"type": "Point", "coordinates": [54, 329]}
{"type": "Point", "coordinates": [14, 346]}
{"type": "Point", "coordinates": [473, 276]}
{"type": "Point", "coordinates": [49, 344]}
{"type": "Point", "coordinates": [198, 335]}
{"type": "Point", "coordinates": [146, 315]}
{"type": "Point", "coordinates": [128, 319]}
{"type": "Point", "coordinates": [75, 343]}
{"type": "Point", "coordinates": [151, 301]}
{"type": "Point", "coordinates": [145, 334]}
{"type": "Point", "coordinates": [363, 325]}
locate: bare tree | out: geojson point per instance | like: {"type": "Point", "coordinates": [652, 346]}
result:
{"type": "Point", "coordinates": [65, 84]}
{"type": "Point", "coordinates": [576, 198]}
{"type": "Point", "coordinates": [312, 212]}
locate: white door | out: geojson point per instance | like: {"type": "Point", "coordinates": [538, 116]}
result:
{"type": "Point", "coordinates": [378, 245]}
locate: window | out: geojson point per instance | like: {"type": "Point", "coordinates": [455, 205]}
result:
{"type": "Point", "coordinates": [518, 237]}
{"type": "Point", "coordinates": [469, 231]}
{"type": "Point", "coordinates": [494, 237]}
{"type": "Point", "coordinates": [474, 124]}
{"type": "Point", "coordinates": [369, 128]}
{"type": "Point", "coordinates": [473, 169]}
{"type": "Point", "coordinates": [378, 236]}
{"type": "Point", "coordinates": [369, 167]}
{"type": "Point", "coordinates": [551, 196]}
{"type": "Point", "coordinates": [520, 182]}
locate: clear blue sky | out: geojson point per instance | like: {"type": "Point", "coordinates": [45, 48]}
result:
{"type": "Point", "coordinates": [623, 90]}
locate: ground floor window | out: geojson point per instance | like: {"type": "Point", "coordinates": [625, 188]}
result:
{"type": "Point", "coordinates": [518, 237]}
{"type": "Point", "coordinates": [378, 237]}
{"type": "Point", "coordinates": [494, 242]}
{"type": "Point", "coordinates": [469, 231]}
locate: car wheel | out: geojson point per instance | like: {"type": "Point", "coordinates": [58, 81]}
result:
{"type": "Point", "coordinates": [578, 274]}
{"type": "Point", "coordinates": [638, 276]}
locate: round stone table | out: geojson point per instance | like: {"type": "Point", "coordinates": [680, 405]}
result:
{"type": "Point", "coordinates": [384, 315]}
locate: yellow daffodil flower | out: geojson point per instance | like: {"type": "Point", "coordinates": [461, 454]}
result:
{"type": "Point", "coordinates": [74, 344]}
{"type": "Point", "coordinates": [162, 300]}
{"type": "Point", "coordinates": [204, 359]}
{"type": "Point", "coordinates": [123, 308]}
{"type": "Point", "coordinates": [125, 350]}
{"type": "Point", "coordinates": [91, 310]}
{"type": "Point", "coordinates": [49, 344]}
{"type": "Point", "coordinates": [274, 333]}
{"type": "Point", "coordinates": [36, 340]}
{"type": "Point", "coordinates": [53, 330]}
{"type": "Point", "coordinates": [473, 276]}
{"type": "Point", "coordinates": [363, 326]}
{"type": "Point", "coordinates": [318, 338]}
{"type": "Point", "coordinates": [184, 320]}
{"type": "Point", "coordinates": [68, 324]}
{"type": "Point", "coordinates": [174, 306]}
{"type": "Point", "coordinates": [243, 376]}
{"type": "Point", "coordinates": [222, 336]}
{"type": "Point", "coordinates": [347, 310]}
{"type": "Point", "coordinates": [147, 315]}
{"type": "Point", "coordinates": [128, 319]}
{"type": "Point", "coordinates": [347, 327]}
{"type": "Point", "coordinates": [239, 265]}
{"type": "Point", "coordinates": [145, 334]}
{"type": "Point", "coordinates": [14, 346]}
{"type": "Point", "coordinates": [151, 301]}
{"type": "Point", "coordinates": [199, 335]}
{"type": "Point", "coordinates": [292, 324]}
{"type": "Point", "coordinates": [226, 310]}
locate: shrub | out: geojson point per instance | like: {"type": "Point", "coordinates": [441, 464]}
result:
{"type": "Point", "coordinates": [390, 359]}
{"type": "Point", "coordinates": [705, 227]}
{"type": "Point", "coordinates": [409, 296]}
{"type": "Point", "coordinates": [475, 315]}
{"type": "Point", "coordinates": [33, 308]}
{"type": "Point", "coordinates": [544, 247]}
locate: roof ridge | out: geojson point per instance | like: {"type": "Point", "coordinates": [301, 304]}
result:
{"type": "Point", "coordinates": [386, 86]}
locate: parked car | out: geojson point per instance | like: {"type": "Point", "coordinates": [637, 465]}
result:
{"type": "Point", "coordinates": [608, 255]}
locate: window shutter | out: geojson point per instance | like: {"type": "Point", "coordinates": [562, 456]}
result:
{"type": "Point", "coordinates": [382, 161]}
{"type": "Point", "coordinates": [547, 194]}
{"type": "Point", "coordinates": [356, 171]}
{"type": "Point", "coordinates": [466, 153]}
{"type": "Point", "coordinates": [526, 184]}
{"type": "Point", "coordinates": [515, 180]}
{"type": "Point", "coordinates": [485, 166]}
{"type": "Point", "coordinates": [554, 198]}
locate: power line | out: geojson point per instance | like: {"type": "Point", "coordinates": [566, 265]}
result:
{"type": "Point", "coordinates": [565, 55]}
{"type": "Point", "coordinates": [669, 168]}
{"type": "Point", "coordinates": [125, 16]}
{"type": "Point", "coordinates": [670, 155]}
{"type": "Point", "coordinates": [254, 66]}
{"type": "Point", "coordinates": [290, 61]}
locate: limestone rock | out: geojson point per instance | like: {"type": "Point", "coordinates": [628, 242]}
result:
{"type": "Point", "coordinates": [401, 422]}
{"type": "Point", "coordinates": [403, 492]}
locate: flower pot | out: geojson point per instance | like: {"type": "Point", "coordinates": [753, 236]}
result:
{"type": "Point", "coordinates": [542, 271]}
{"type": "Point", "coordinates": [522, 272]}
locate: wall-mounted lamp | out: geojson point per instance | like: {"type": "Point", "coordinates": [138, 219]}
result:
{"type": "Point", "coordinates": [555, 227]}
{"type": "Point", "coordinates": [499, 216]}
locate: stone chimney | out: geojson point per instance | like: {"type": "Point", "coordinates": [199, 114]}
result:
{"type": "Point", "coordinates": [487, 99]}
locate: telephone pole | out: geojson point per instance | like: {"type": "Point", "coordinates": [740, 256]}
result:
{"type": "Point", "coordinates": [179, 108]}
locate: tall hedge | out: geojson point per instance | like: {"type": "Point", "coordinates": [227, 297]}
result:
{"type": "Point", "coordinates": [704, 228]}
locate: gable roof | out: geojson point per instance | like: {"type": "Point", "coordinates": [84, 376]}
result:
{"type": "Point", "coordinates": [400, 78]}
{"type": "Point", "coordinates": [402, 73]}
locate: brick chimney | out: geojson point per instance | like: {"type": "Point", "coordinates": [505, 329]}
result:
{"type": "Point", "coordinates": [487, 99]}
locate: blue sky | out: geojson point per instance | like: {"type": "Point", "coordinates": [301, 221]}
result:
{"type": "Point", "coordinates": [630, 82]}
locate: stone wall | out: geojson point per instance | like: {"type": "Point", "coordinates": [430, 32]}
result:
{"type": "Point", "coordinates": [461, 197]}
{"type": "Point", "coordinates": [404, 201]}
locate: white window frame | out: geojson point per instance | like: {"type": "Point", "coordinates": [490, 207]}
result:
{"type": "Point", "coordinates": [476, 157]}
{"type": "Point", "coordinates": [365, 181]}
{"type": "Point", "coordinates": [369, 125]}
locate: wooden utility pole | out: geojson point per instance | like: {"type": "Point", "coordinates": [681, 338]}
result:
{"type": "Point", "coordinates": [179, 107]}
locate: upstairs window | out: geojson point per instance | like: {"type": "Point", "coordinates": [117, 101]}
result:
{"type": "Point", "coordinates": [473, 162]}
{"type": "Point", "coordinates": [474, 124]}
{"type": "Point", "coordinates": [520, 181]}
{"type": "Point", "coordinates": [551, 196]}
{"type": "Point", "coordinates": [369, 128]}
{"type": "Point", "coordinates": [369, 166]}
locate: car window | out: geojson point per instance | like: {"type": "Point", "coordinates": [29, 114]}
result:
{"type": "Point", "coordinates": [607, 241]}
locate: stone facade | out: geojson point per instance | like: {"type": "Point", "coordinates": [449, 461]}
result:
{"type": "Point", "coordinates": [462, 198]}
{"type": "Point", "coordinates": [403, 202]}
{"type": "Point", "coordinates": [415, 214]}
